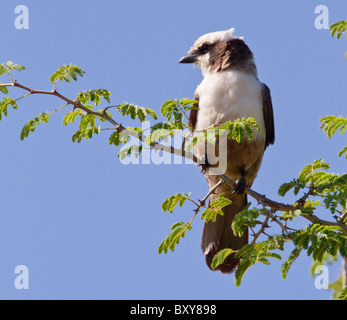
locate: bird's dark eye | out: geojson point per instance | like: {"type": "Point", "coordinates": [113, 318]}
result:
{"type": "Point", "coordinates": [204, 48]}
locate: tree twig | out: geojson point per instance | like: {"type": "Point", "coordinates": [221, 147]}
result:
{"type": "Point", "coordinates": [104, 115]}
{"type": "Point", "coordinates": [262, 199]}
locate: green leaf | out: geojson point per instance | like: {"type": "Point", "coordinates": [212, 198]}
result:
{"type": "Point", "coordinates": [160, 131]}
{"type": "Point", "coordinates": [168, 107]}
{"type": "Point", "coordinates": [192, 142]}
{"type": "Point", "coordinates": [152, 113]}
{"type": "Point", "coordinates": [308, 174]}
{"type": "Point", "coordinates": [178, 232]}
{"type": "Point", "coordinates": [114, 139]}
{"type": "Point", "coordinates": [338, 28]}
{"type": "Point", "coordinates": [256, 252]}
{"type": "Point", "coordinates": [210, 136]}
{"type": "Point", "coordinates": [33, 123]}
{"type": "Point", "coordinates": [343, 294]}
{"type": "Point", "coordinates": [10, 66]}
{"type": "Point", "coordinates": [240, 128]}
{"type": "Point", "coordinates": [4, 89]}
{"type": "Point", "coordinates": [330, 124]}
{"type": "Point", "coordinates": [343, 151]}
{"type": "Point", "coordinates": [135, 111]}
{"type": "Point", "coordinates": [288, 263]}
{"type": "Point", "coordinates": [141, 113]}
{"type": "Point", "coordinates": [66, 73]}
{"type": "Point", "coordinates": [117, 138]}
{"type": "Point", "coordinates": [220, 202]}
{"type": "Point", "coordinates": [171, 202]}
{"type": "Point", "coordinates": [319, 240]}
{"type": "Point", "coordinates": [241, 269]}
{"type": "Point", "coordinates": [245, 219]}
{"type": "Point", "coordinates": [220, 256]}
{"type": "Point", "coordinates": [87, 120]}
{"type": "Point", "coordinates": [94, 96]}
{"type": "Point", "coordinates": [71, 116]}
{"type": "Point", "coordinates": [86, 133]}
{"type": "Point", "coordinates": [128, 150]}
{"type": "Point", "coordinates": [287, 186]}
{"type": "Point", "coordinates": [187, 102]}
{"type": "Point", "coordinates": [4, 106]}
{"type": "Point", "coordinates": [215, 208]}
{"type": "Point", "coordinates": [174, 113]}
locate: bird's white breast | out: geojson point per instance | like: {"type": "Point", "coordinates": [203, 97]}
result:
{"type": "Point", "coordinates": [230, 95]}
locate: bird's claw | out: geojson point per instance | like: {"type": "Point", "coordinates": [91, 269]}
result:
{"type": "Point", "coordinates": [240, 186]}
{"type": "Point", "coordinates": [204, 167]}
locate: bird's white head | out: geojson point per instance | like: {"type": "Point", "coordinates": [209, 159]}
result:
{"type": "Point", "coordinates": [213, 37]}
{"type": "Point", "coordinates": [211, 46]}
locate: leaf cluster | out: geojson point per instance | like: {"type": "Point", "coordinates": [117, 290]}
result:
{"type": "Point", "coordinates": [4, 106]}
{"type": "Point", "coordinates": [174, 111]}
{"type": "Point", "coordinates": [215, 208]}
{"type": "Point", "coordinates": [94, 96]}
{"type": "Point", "coordinates": [317, 240]}
{"type": "Point", "coordinates": [33, 123]}
{"type": "Point", "coordinates": [258, 252]}
{"type": "Point", "coordinates": [66, 73]}
{"type": "Point", "coordinates": [178, 231]}
{"type": "Point", "coordinates": [240, 128]}
{"type": "Point", "coordinates": [134, 112]}
{"type": "Point", "coordinates": [339, 28]}
{"type": "Point", "coordinates": [247, 218]}
{"type": "Point", "coordinates": [330, 125]}
{"type": "Point", "coordinates": [330, 187]}
{"type": "Point", "coordinates": [236, 130]}
{"type": "Point", "coordinates": [10, 66]}
{"type": "Point", "coordinates": [5, 102]}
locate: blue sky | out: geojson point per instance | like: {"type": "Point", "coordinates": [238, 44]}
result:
{"type": "Point", "coordinates": [87, 226]}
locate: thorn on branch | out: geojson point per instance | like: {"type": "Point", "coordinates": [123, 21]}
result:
{"type": "Point", "coordinates": [262, 200]}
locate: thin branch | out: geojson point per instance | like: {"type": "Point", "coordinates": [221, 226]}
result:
{"type": "Point", "coordinates": [262, 199]}
{"type": "Point", "coordinates": [282, 225]}
{"type": "Point", "coordinates": [262, 228]}
{"type": "Point", "coordinates": [104, 115]}
{"type": "Point", "coordinates": [202, 202]}
{"type": "Point", "coordinates": [22, 97]}
{"type": "Point", "coordinates": [211, 191]}
{"type": "Point", "coordinates": [63, 106]}
{"type": "Point", "coordinates": [277, 206]}
{"type": "Point", "coordinates": [303, 199]}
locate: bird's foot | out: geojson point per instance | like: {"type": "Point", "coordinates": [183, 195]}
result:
{"type": "Point", "coordinates": [204, 166]}
{"type": "Point", "coordinates": [240, 186]}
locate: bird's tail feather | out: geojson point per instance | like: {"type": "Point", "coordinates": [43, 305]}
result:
{"type": "Point", "coordinates": [218, 235]}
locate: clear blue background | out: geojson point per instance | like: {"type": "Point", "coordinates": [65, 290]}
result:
{"type": "Point", "coordinates": [87, 226]}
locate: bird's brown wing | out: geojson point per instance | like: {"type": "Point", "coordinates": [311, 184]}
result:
{"type": "Point", "coordinates": [268, 115]}
{"type": "Point", "coordinates": [193, 115]}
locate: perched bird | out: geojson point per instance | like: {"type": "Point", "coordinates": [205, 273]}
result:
{"type": "Point", "coordinates": [229, 90]}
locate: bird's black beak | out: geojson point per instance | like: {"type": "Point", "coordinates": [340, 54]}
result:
{"type": "Point", "coordinates": [190, 57]}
